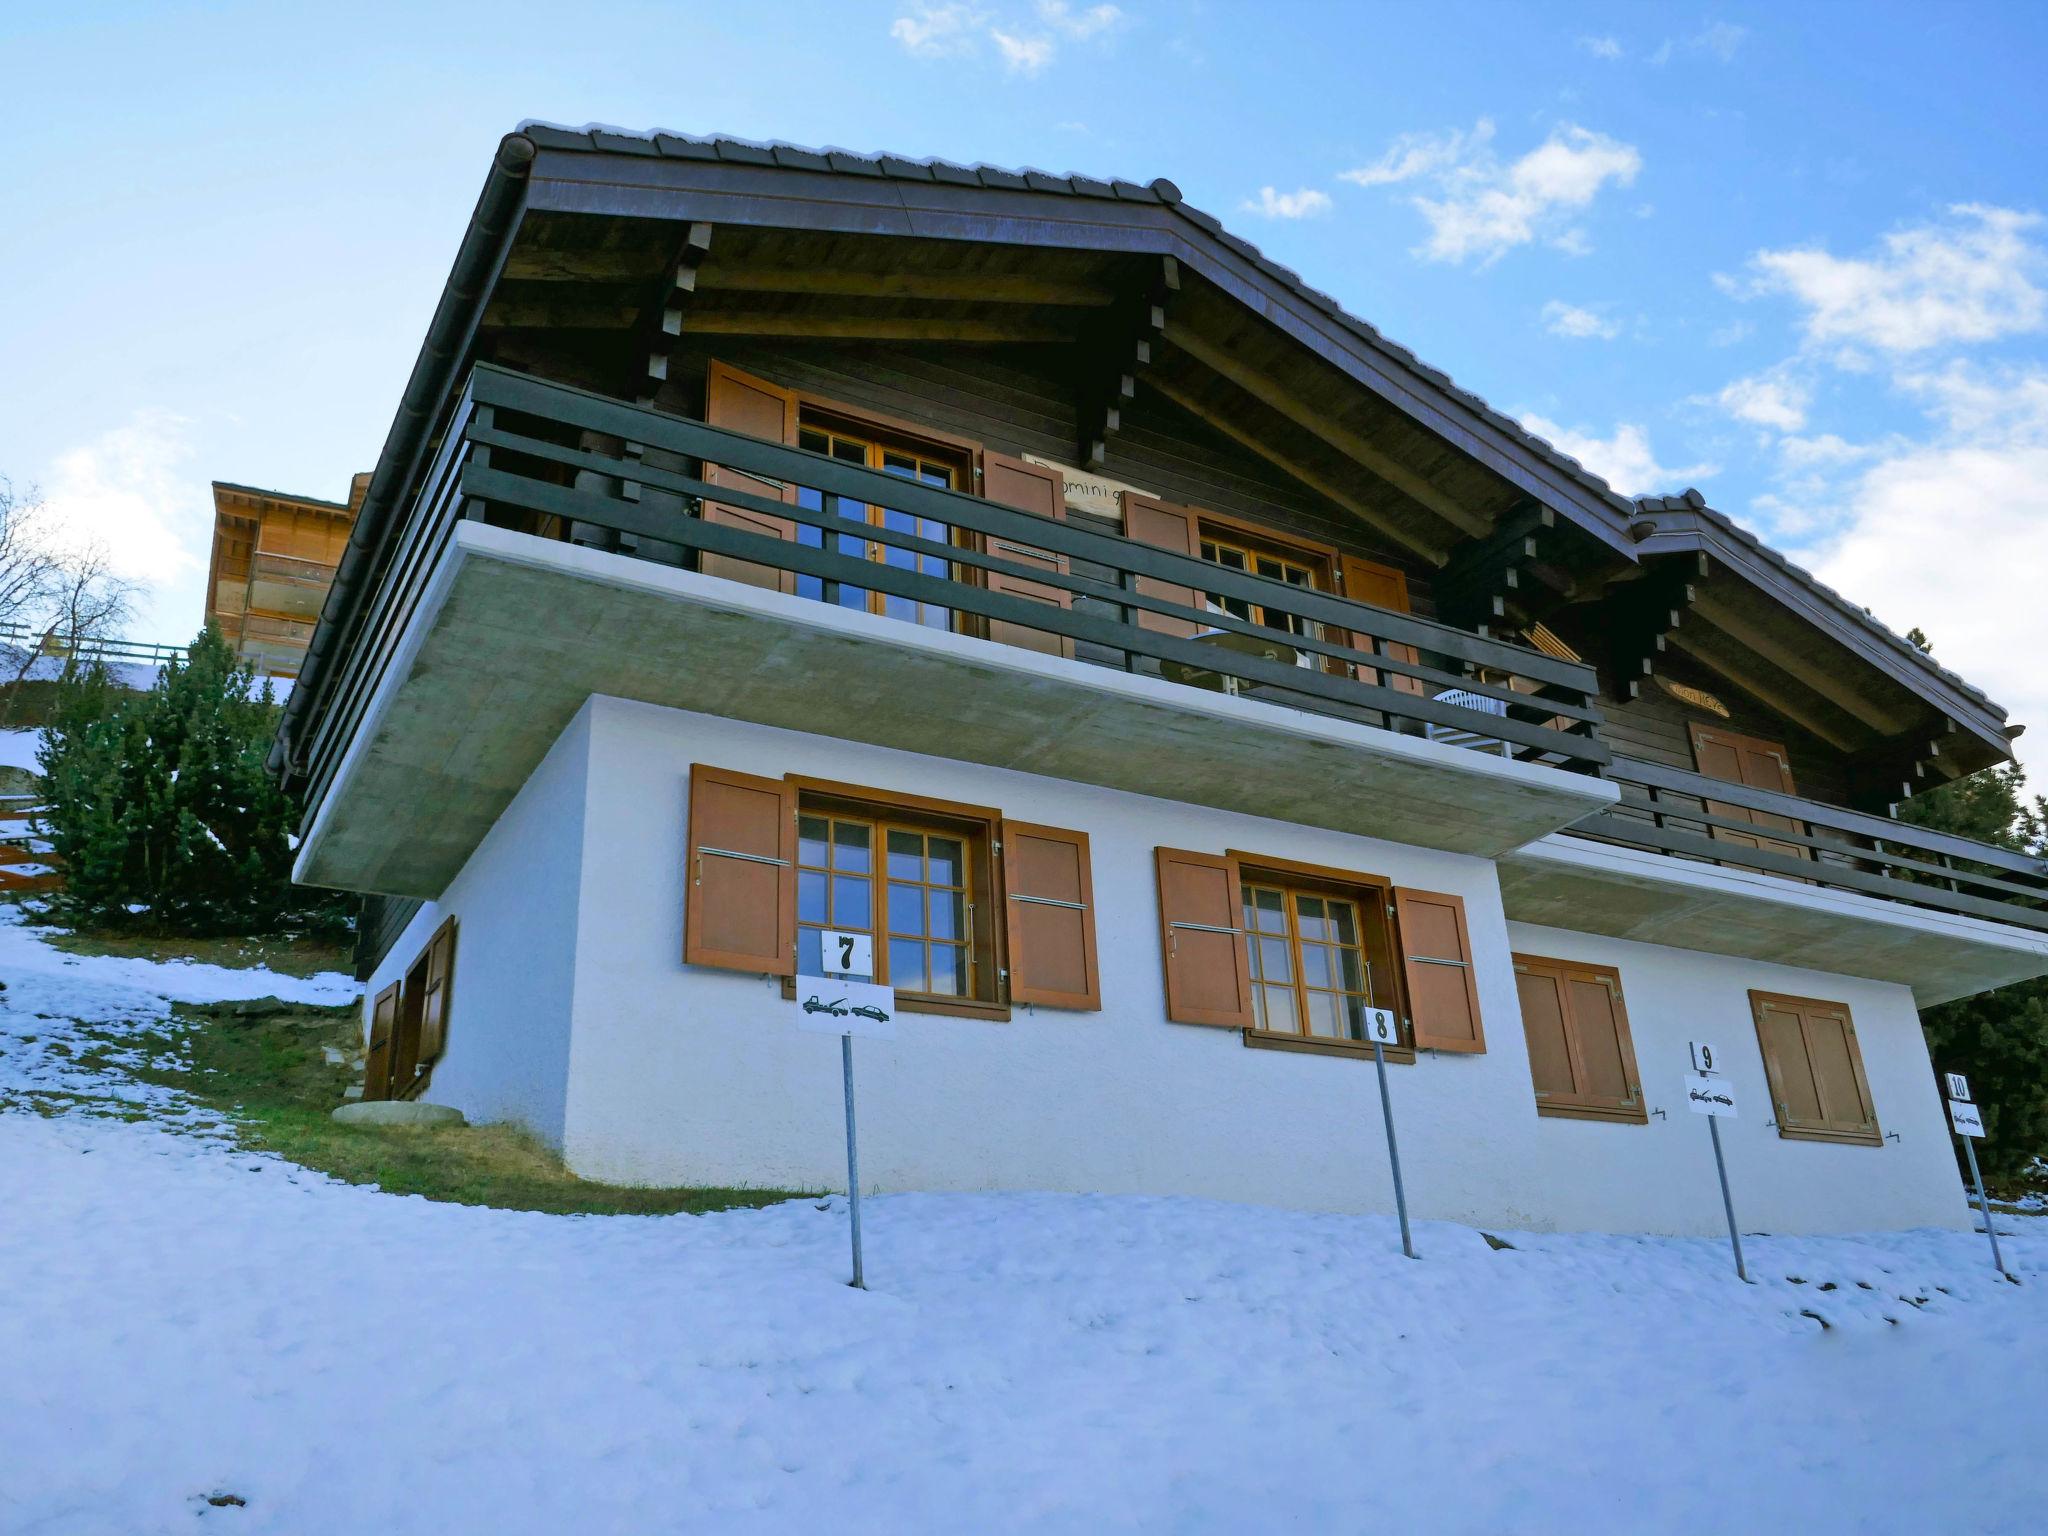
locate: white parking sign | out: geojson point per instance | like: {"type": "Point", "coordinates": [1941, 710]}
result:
{"type": "Point", "coordinates": [1709, 1095]}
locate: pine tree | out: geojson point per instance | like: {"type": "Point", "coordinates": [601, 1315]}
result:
{"type": "Point", "coordinates": [1999, 1040]}
{"type": "Point", "coordinates": [159, 807]}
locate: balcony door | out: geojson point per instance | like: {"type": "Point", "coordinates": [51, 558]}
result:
{"type": "Point", "coordinates": [852, 445]}
{"type": "Point", "coordinates": [1757, 764]}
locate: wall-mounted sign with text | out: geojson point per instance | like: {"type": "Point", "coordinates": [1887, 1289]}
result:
{"type": "Point", "coordinates": [1087, 491]}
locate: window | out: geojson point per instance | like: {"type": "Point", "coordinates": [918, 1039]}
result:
{"type": "Point", "coordinates": [1234, 553]}
{"type": "Point", "coordinates": [1319, 959]}
{"type": "Point", "coordinates": [906, 462]}
{"type": "Point", "coordinates": [1815, 1070]}
{"type": "Point", "coordinates": [969, 911]}
{"type": "Point", "coordinates": [1295, 954]}
{"type": "Point", "coordinates": [1581, 1057]}
{"type": "Point", "coordinates": [912, 885]}
{"type": "Point", "coordinates": [409, 1022]}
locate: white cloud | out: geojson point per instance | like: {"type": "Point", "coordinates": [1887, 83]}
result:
{"type": "Point", "coordinates": [1775, 399]}
{"type": "Point", "coordinates": [1951, 533]}
{"type": "Point", "coordinates": [938, 31]}
{"type": "Point", "coordinates": [1562, 319]}
{"type": "Point", "coordinates": [1969, 279]}
{"type": "Point", "coordinates": [1274, 204]}
{"type": "Point", "coordinates": [1421, 154]}
{"type": "Point", "coordinates": [1602, 47]}
{"type": "Point", "coordinates": [1079, 25]}
{"type": "Point", "coordinates": [1484, 208]}
{"type": "Point", "coordinates": [1625, 460]}
{"type": "Point", "coordinates": [130, 489]}
{"type": "Point", "coordinates": [1719, 40]}
{"type": "Point", "coordinates": [1022, 55]}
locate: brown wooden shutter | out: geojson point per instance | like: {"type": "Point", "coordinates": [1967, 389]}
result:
{"type": "Point", "coordinates": [1815, 1069]}
{"type": "Point", "coordinates": [740, 914]}
{"type": "Point", "coordinates": [1436, 962]}
{"type": "Point", "coordinates": [1201, 903]}
{"type": "Point", "coordinates": [383, 1030]}
{"type": "Point", "coordinates": [1759, 764]}
{"type": "Point", "coordinates": [742, 403]}
{"type": "Point", "coordinates": [1383, 587]}
{"type": "Point", "coordinates": [1582, 1058]}
{"type": "Point", "coordinates": [1030, 488]}
{"type": "Point", "coordinates": [1049, 894]}
{"type": "Point", "coordinates": [1164, 526]}
{"type": "Point", "coordinates": [434, 1001]}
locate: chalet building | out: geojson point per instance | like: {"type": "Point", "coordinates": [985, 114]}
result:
{"type": "Point", "coordinates": [1162, 668]}
{"type": "Point", "coordinates": [273, 561]}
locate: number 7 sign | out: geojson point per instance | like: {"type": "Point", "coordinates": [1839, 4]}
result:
{"type": "Point", "coordinates": [847, 954]}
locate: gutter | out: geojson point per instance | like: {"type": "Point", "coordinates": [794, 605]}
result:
{"type": "Point", "coordinates": [477, 261]}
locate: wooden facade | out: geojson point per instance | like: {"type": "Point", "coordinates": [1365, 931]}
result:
{"type": "Point", "coordinates": [273, 562]}
{"type": "Point", "coordinates": [1103, 332]}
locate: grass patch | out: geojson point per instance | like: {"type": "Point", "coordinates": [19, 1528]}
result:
{"type": "Point", "coordinates": [287, 954]}
{"type": "Point", "coordinates": [265, 1067]}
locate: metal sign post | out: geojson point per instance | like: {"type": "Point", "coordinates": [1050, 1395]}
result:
{"type": "Point", "coordinates": [836, 1005]}
{"type": "Point", "coordinates": [1708, 1094]}
{"type": "Point", "coordinates": [1964, 1116]}
{"type": "Point", "coordinates": [1383, 1030]}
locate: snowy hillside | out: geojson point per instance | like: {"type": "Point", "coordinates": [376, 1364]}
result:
{"type": "Point", "coordinates": [183, 1322]}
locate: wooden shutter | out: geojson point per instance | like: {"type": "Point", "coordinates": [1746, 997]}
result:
{"type": "Point", "coordinates": [1164, 526]}
{"type": "Point", "coordinates": [1383, 587]}
{"type": "Point", "coordinates": [1815, 1069]}
{"type": "Point", "coordinates": [1030, 488]}
{"type": "Point", "coordinates": [434, 1000]}
{"type": "Point", "coordinates": [1049, 897]}
{"type": "Point", "coordinates": [1436, 963]}
{"type": "Point", "coordinates": [1201, 902]}
{"type": "Point", "coordinates": [1758, 764]}
{"type": "Point", "coordinates": [1581, 1056]}
{"type": "Point", "coordinates": [742, 403]}
{"type": "Point", "coordinates": [740, 914]}
{"type": "Point", "coordinates": [383, 1030]}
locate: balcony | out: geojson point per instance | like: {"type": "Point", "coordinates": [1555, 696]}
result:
{"type": "Point", "coordinates": [557, 548]}
{"type": "Point", "coordinates": [1685, 859]}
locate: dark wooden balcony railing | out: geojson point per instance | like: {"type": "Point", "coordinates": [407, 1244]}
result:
{"type": "Point", "coordinates": [524, 453]}
{"type": "Point", "coordinates": [1688, 814]}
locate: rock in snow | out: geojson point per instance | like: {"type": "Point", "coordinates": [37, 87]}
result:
{"type": "Point", "coordinates": [184, 1325]}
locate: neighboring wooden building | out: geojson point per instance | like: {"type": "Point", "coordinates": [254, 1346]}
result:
{"type": "Point", "coordinates": [274, 557]}
{"type": "Point", "coordinates": [1161, 668]}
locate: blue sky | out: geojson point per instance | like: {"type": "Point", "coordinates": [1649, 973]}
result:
{"type": "Point", "coordinates": [1794, 257]}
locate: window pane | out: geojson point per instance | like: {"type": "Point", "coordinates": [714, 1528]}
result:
{"type": "Point", "coordinates": [906, 855]}
{"type": "Point", "coordinates": [1354, 1017]}
{"type": "Point", "coordinates": [1271, 911]}
{"type": "Point", "coordinates": [811, 438]}
{"type": "Point", "coordinates": [1324, 1016]}
{"type": "Point", "coordinates": [906, 908]}
{"type": "Point", "coordinates": [1351, 975]}
{"type": "Point", "coordinates": [1344, 921]}
{"type": "Point", "coordinates": [850, 903]}
{"type": "Point", "coordinates": [850, 846]}
{"type": "Point", "coordinates": [846, 448]}
{"type": "Point", "coordinates": [946, 861]}
{"type": "Point", "coordinates": [1316, 969]}
{"type": "Point", "coordinates": [810, 954]}
{"type": "Point", "coordinates": [1309, 915]}
{"type": "Point", "coordinates": [810, 841]}
{"type": "Point", "coordinates": [949, 969]}
{"type": "Point", "coordinates": [1271, 568]}
{"type": "Point", "coordinates": [948, 915]}
{"type": "Point", "coordinates": [1273, 960]}
{"type": "Point", "coordinates": [1278, 1008]}
{"type": "Point", "coordinates": [810, 898]}
{"type": "Point", "coordinates": [906, 965]}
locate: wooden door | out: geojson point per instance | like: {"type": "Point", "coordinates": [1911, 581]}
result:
{"type": "Point", "coordinates": [1384, 587]}
{"type": "Point", "coordinates": [1758, 764]}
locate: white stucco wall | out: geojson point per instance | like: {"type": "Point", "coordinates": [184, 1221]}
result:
{"type": "Point", "coordinates": [516, 904]}
{"type": "Point", "coordinates": [686, 1075]}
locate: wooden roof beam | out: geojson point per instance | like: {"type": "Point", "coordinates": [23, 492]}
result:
{"type": "Point", "coordinates": [1415, 486]}
{"type": "Point", "coordinates": [1017, 328]}
{"type": "Point", "coordinates": [1793, 702]}
{"type": "Point", "coordinates": [1811, 674]}
{"type": "Point", "coordinates": [1235, 429]}
{"type": "Point", "coordinates": [665, 317]}
{"type": "Point", "coordinates": [945, 287]}
{"type": "Point", "coordinates": [1111, 382]}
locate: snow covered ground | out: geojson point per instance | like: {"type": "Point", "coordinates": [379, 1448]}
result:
{"type": "Point", "coordinates": [182, 1322]}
